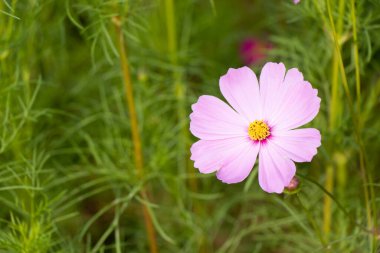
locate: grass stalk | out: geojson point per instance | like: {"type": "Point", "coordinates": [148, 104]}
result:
{"type": "Point", "coordinates": [171, 31]}
{"type": "Point", "coordinates": [179, 88]}
{"type": "Point", "coordinates": [358, 94]}
{"type": "Point", "coordinates": [356, 123]}
{"type": "Point", "coordinates": [340, 161]}
{"type": "Point", "coordinates": [356, 55]}
{"type": "Point", "coordinates": [138, 156]}
{"type": "Point", "coordinates": [180, 94]}
{"type": "Point", "coordinates": [340, 59]}
{"type": "Point", "coordinates": [327, 201]}
{"type": "Point", "coordinates": [335, 106]}
{"type": "Point", "coordinates": [335, 99]}
{"type": "Point", "coordinates": [358, 97]}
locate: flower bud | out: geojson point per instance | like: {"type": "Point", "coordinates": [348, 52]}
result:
{"type": "Point", "coordinates": [293, 187]}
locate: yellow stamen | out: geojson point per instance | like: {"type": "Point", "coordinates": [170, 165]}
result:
{"type": "Point", "coordinates": [258, 130]}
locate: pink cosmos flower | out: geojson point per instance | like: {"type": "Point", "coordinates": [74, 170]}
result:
{"type": "Point", "coordinates": [261, 123]}
{"type": "Point", "coordinates": [296, 1]}
{"type": "Point", "coordinates": [253, 50]}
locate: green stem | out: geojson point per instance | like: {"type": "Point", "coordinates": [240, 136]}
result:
{"type": "Point", "coordinates": [362, 147]}
{"type": "Point", "coordinates": [335, 99]}
{"type": "Point", "coordinates": [171, 30]}
{"type": "Point", "coordinates": [180, 93]}
{"type": "Point", "coordinates": [340, 161]}
{"type": "Point", "coordinates": [356, 120]}
{"type": "Point", "coordinates": [335, 106]}
{"type": "Point", "coordinates": [340, 59]}
{"type": "Point", "coordinates": [356, 54]}
{"type": "Point", "coordinates": [327, 203]}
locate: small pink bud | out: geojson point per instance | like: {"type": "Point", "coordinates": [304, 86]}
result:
{"type": "Point", "coordinates": [293, 186]}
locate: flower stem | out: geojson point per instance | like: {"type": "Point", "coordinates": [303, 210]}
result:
{"type": "Point", "coordinates": [180, 94]}
{"type": "Point", "coordinates": [150, 230]}
{"type": "Point", "coordinates": [340, 59]}
{"type": "Point", "coordinates": [179, 88]}
{"type": "Point", "coordinates": [335, 108]}
{"type": "Point", "coordinates": [362, 148]}
{"type": "Point", "coordinates": [356, 55]}
{"type": "Point", "coordinates": [356, 123]}
{"type": "Point", "coordinates": [335, 94]}
{"type": "Point", "coordinates": [171, 30]}
{"type": "Point", "coordinates": [327, 202]}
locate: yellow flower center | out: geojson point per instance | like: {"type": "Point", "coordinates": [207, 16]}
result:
{"type": "Point", "coordinates": [258, 130]}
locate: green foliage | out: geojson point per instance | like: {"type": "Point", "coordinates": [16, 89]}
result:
{"type": "Point", "coordinates": [68, 179]}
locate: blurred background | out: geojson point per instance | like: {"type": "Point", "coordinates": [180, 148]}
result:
{"type": "Point", "coordinates": [94, 134]}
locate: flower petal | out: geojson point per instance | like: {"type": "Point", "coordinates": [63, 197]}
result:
{"type": "Point", "coordinates": [300, 145]}
{"type": "Point", "coordinates": [271, 79]}
{"type": "Point", "coordinates": [275, 169]}
{"type": "Point", "coordinates": [210, 155]}
{"type": "Point", "coordinates": [241, 90]}
{"type": "Point", "coordinates": [294, 104]}
{"type": "Point", "coordinates": [213, 119]}
{"type": "Point", "coordinates": [238, 168]}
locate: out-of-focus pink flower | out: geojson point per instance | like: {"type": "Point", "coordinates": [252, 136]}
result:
{"type": "Point", "coordinates": [261, 123]}
{"type": "Point", "coordinates": [296, 1]}
{"type": "Point", "coordinates": [253, 50]}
